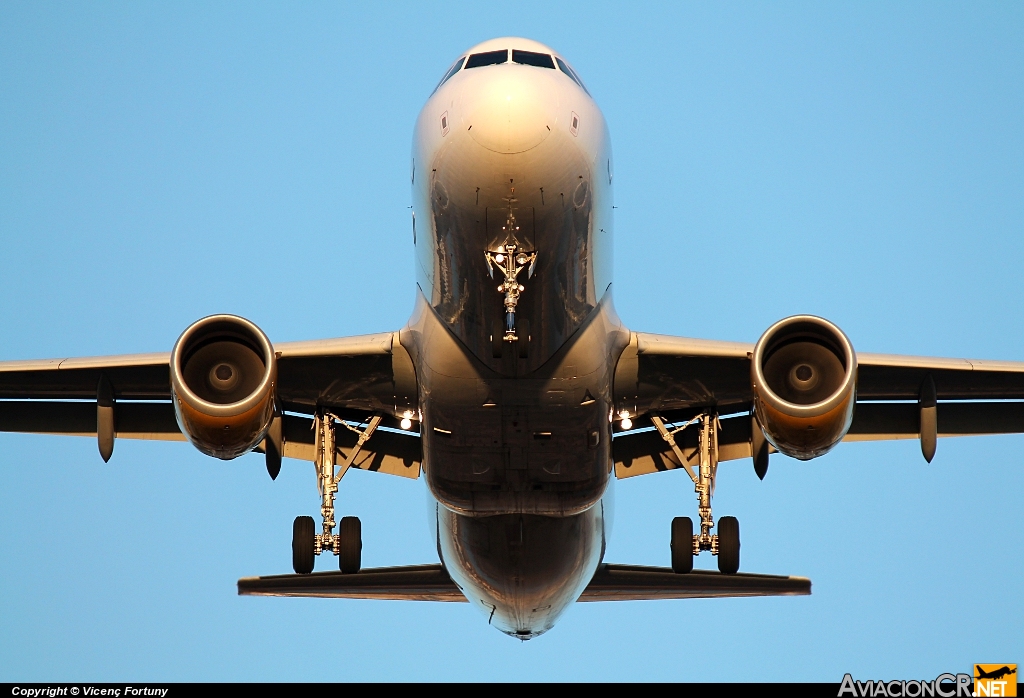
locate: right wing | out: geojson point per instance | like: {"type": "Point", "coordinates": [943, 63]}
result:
{"type": "Point", "coordinates": [678, 377]}
{"type": "Point", "coordinates": [668, 373]}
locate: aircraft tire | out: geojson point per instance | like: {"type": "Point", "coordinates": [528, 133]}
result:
{"type": "Point", "coordinates": [728, 545]}
{"type": "Point", "coordinates": [682, 544]}
{"type": "Point", "coordinates": [303, 537]}
{"type": "Point", "coordinates": [351, 550]}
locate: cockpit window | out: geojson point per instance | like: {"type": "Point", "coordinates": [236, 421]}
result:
{"type": "Point", "coordinates": [540, 60]}
{"type": "Point", "coordinates": [490, 58]}
{"type": "Point", "coordinates": [571, 73]}
{"type": "Point", "coordinates": [451, 71]}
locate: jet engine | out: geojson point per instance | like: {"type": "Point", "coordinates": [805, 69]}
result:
{"type": "Point", "coordinates": [223, 377]}
{"type": "Point", "coordinates": [804, 379]}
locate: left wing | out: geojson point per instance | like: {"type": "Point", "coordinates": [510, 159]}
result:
{"type": "Point", "coordinates": [353, 377]}
{"type": "Point", "coordinates": [678, 378]}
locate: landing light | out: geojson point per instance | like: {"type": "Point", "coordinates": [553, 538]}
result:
{"type": "Point", "coordinates": [406, 422]}
{"type": "Point", "coordinates": [626, 422]}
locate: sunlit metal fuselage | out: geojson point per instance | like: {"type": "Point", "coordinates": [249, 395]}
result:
{"type": "Point", "coordinates": [516, 450]}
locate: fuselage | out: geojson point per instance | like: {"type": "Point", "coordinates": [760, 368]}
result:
{"type": "Point", "coordinates": [511, 150]}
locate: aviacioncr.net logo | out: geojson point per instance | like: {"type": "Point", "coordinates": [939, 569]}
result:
{"type": "Point", "coordinates": [942, 686]}
{"type": "Point", "coordinates": [995, 680]}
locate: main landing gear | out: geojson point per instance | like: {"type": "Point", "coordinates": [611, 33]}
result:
{"type": "Point", "coordinates": [684, 543]}
{"type": "Point", "coordinates": [347, 544]}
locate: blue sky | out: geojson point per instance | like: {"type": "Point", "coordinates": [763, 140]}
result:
{"type": "Point", "coordinates": [863, 162]}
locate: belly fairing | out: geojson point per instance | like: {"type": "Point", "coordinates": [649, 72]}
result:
{"type": "Point", "coordinates": [536, 444]}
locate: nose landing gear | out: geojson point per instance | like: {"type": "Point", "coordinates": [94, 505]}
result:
{"type": "Point", "coordinates": [510, 259]}
{"type": "Point", "coordinates": [347, 543]}
{"type": "Point", "coordinates": [684, 543]}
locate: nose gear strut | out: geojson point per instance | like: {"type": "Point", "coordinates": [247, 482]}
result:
{"type": "Point", "coordinates": [510, 260]}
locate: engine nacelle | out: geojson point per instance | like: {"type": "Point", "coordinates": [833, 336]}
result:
{"type": "Point", "coordinates": [223, 379]}
{"type": "Point", "coordinates": [804, 378]}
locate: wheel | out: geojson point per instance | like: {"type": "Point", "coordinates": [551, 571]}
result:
{"type": "Point", "coordinates": [523, 332]}
{"type": "Point", "coordinates": [303, 536]}
{"type": "Point", "coordinates": [350, 555]}
{"type": "Point", "coordinates": [682, 544]}
{"type": "Point", "coordinates": [728, 545]}
{"type": "Point", "coordinates": [497, 339]}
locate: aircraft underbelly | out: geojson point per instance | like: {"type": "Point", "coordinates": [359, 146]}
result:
{"type": "Point", "coordinates": [518, 459]}
{"type": "Point", "coordinates": [536, 444]}
{"type": "Point", "coordinates": [519, 467]}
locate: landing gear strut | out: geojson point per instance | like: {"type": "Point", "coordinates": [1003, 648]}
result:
{"type": "Point", "coordinates": [510, 259]}
{"type": "Point", "coordinates": [347, 543]}
{"type": "Point", "coordinates": [726, 543]}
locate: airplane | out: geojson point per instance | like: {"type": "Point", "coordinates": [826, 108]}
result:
{"type": "Point", "coordinates": [514, 389]}
{"type": "Point", "coordinates": [995, 674]}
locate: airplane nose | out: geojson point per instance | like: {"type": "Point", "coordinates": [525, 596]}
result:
{"type": "Point", "coordinates": [510, 111]}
